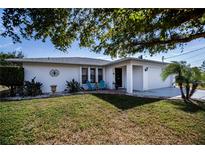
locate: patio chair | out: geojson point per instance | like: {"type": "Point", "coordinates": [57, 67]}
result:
{"type": "Point", "coordinates": [90, 86]}
{"type": "Point", "coordinates": [102, 85]}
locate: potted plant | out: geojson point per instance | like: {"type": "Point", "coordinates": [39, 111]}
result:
{"type": "Point", "coordinates": [53, 88]}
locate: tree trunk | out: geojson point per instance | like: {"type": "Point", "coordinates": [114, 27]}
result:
{"type": "Point", "coordinates": [181, 90]}
{"type": "Point", "coordinates": [187, 91]}
{"type": "Point", "coordinates": [12, 91]}
{"type": "Point", "coordinates": [193, 89]}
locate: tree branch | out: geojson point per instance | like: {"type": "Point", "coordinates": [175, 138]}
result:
{"type": "Point", "coordinates": [172, 40]}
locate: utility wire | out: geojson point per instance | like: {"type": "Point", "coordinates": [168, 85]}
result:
{"type": "Point", "coordinates": [185, 53]}
{"type": "Point", "coordinates": [192, 56]}
{"type": "Point", "coordinates": [197, 60]}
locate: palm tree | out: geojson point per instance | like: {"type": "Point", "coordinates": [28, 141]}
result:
{"type": "Point", "coordinates": [185, 75]}
{"type": "Point", "coordinates": [197, 78]}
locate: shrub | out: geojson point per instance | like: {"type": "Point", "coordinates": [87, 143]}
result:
{"type": "Point", "coordinates": [32, 88]}
{"type": "Point", "coordinates": [73, 86]}
{"type": "Point", "coordinates": [11, 77]}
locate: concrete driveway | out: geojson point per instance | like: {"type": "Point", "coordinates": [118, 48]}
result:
{"type": "Point", "coordinates": [168, 93]}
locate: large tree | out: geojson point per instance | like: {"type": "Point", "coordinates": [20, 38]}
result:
{"type": "Point", "coordinates": [112, 31]}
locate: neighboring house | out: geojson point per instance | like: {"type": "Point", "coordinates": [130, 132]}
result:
{"type": "Point", "coordinates": [129, 73]}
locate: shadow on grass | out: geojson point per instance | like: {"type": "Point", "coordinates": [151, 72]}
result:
{"type": "Point", "coordinates": [191, 107]}
{"type": "Point", "coordinates": [125, 102]}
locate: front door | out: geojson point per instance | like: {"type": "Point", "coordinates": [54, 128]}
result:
{"type": "Point", "coordinates": [118, 77]}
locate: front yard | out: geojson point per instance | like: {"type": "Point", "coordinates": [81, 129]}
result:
{"type": "Point", "coordinates": [100, 119]}
{"type": "Point", "coordinates": [201, 87]}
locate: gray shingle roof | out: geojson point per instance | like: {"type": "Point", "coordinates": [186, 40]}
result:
{"type": "Point", "coordinates": [64, 60]}
{"type": "Point", "coordinates": [80, 60]}
{"type": "Point", "coordinates": [135, 59]}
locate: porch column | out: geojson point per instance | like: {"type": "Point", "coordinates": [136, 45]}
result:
{"type": "Point", "coordinates": [80, 77]}
{"type": "Point", "coordinates": [96, 73]}
{"type": "Point", "coordinates": [103, 73]}
{"type": "Point", "coordinates": [129, 78]}
{"type": "Point", "coordinates": [89, 73]}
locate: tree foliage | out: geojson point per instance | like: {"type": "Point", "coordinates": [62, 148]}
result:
{"type": "Point", "coordinates": [114, 32]}
{"type": "Point", "coordinates": [203, 66]}
{"type": "Point", "coordinates": [6, 55]}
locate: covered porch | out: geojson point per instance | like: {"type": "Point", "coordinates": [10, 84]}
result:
{"type": "Point", "coordinates": [139, 76]}
{"type": "Point", "coordinates": [129, 77]}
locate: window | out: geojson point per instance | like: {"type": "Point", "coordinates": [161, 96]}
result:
{"type": "Point", "coordinates": [84, 75]}
{"type": "Point", "coordinates": [92, 75]}
{"type": "Point", "coordinates": [100, 74]}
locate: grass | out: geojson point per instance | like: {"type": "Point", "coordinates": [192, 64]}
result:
{"type": "Point", "coordinates": [100, 119]}
{"type": "Point", "coordinates": [201, 87]}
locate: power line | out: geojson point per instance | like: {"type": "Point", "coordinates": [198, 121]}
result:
{"type": "Point", "coordinates": [185, 53]}
{"type": "Point", "coordinates": [197, 60]}
{"type": "Point", "coordinates": [193, 56]}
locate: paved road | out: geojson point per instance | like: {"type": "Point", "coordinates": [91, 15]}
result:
{"type": "Point", "coordinates": [169, 93]}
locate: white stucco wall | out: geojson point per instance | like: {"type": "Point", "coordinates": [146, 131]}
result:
{"type": "Point", "coordinates": [109, 76]}
{"type": "Point", "coordinates": [137, 78]}
{"type": "Point", "coordinates": [155, 80]}
{"type": "Point", "coordinates": [151, 79]}
{"type": "Point", "coordinates": [41, 71]}
{"type": "Point", "coordinates": [124, 77]}
{"type": "Point", "coordinates": [142, 80]}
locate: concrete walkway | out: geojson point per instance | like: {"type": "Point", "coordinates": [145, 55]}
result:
{"type": "Point", "coordinates": [168, 93]}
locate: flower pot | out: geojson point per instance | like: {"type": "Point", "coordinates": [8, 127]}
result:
{"type": "Point", "coordinates": [53, 89]}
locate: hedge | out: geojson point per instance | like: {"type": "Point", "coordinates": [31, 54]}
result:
{"type": "Point", "coordinates": [11, 76]}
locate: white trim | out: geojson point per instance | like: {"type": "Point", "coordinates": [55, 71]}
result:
{"type": "Point", "coordinates": [103, 74]}
{"type": "Point", "coordinates": [89, 73]}
{"type": "Point", "coordinates": [96, 74]}
{"type": "Point", "coordinates": [123, 77]}
{"type": "Point", "coordinates": [129, 78]}
{"type": "Point", "coordinates": [80, 75]}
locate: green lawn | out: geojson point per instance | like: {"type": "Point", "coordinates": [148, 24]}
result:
{"type": "Point", "coordinates": [201, 87]}
{"type": "Point", "coordinates": [100, 119]}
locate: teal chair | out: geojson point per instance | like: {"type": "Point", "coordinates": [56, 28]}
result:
{"type": "Point", "coordinates": [90, 86]}
{"type": "Point", "coordinates": [102, 85]}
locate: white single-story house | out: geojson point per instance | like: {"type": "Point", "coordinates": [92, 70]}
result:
{"type": "Point", "coordinates": [128, 73]}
